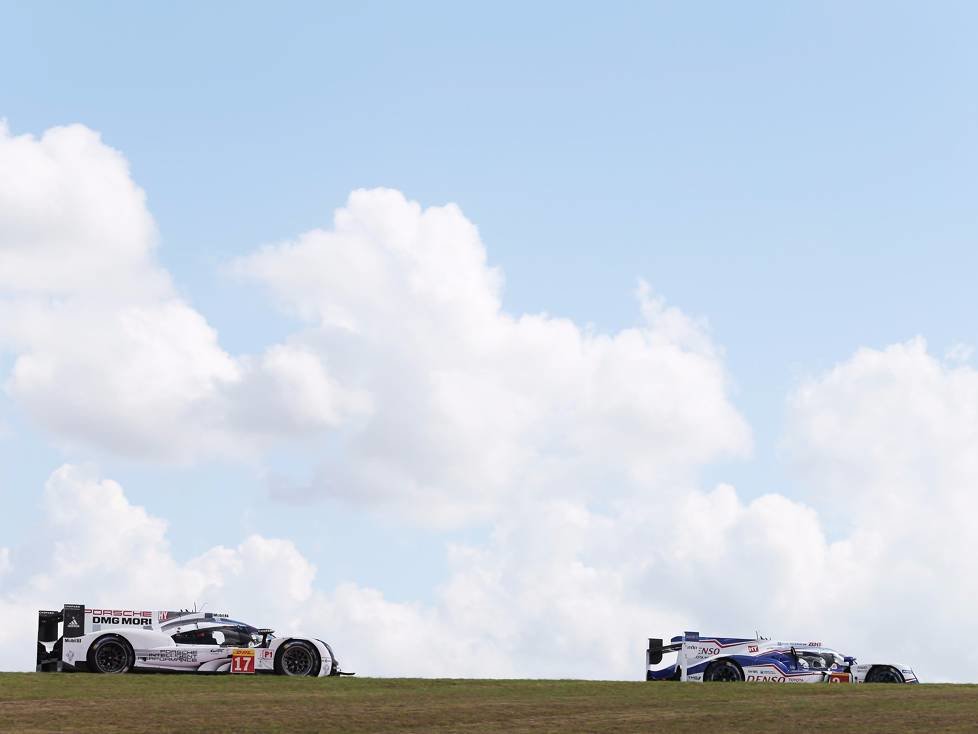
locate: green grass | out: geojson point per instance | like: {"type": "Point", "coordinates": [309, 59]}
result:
{"type": "Point", "coordinates": [157, 703]}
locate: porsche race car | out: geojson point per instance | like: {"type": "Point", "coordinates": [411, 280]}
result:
{"type": "Point", "coordinates": [729, 659]}
{"type": "Point", "coordinates": [120, 640]}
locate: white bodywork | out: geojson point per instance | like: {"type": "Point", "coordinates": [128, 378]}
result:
{"type": "Point", "coordinates": [151, 634]}
{"type": "Point", "coordinates": [769, 661]}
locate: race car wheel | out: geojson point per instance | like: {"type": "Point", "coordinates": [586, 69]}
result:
{"type": "Point", "coordinates": [884, 674]}
{"type": "Point", "coordinates": [296, 658]}
{"type": "Point", "coordinates": [723, 671]}
{"type": "Point", "coordinates": [111, 654]}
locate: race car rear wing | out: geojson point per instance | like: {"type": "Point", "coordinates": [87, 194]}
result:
{"type": "Point", "coordinates": [52, 628]}
{"type": "Point", "coordinates": [48, 636]}
{"type": "Point", "coordinates": [653, 656]}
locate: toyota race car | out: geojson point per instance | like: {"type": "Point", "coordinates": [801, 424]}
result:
{"type": "Point", "coordinates": [706, 659]}
{"type": "Point", "coordinates": [114, 640]}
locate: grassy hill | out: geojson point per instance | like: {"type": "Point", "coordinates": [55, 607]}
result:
{"type": "Point", "coordinates": [85, 702]}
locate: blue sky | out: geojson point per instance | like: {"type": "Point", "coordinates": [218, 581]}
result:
{"type": "Point", "coordinates": [800, 176]}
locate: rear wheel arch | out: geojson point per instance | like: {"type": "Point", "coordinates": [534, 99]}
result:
{"type": "Point", "coordinates": [111, 654]}
{"type": "Point", "coordinates": [726, 670]}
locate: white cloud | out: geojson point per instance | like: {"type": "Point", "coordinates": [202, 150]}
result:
{"type": "Point", "coordinates": [95, 546]}
{"type": "Point", "coordinates": [558, 591]}
{"type": "Point", "coordinates": [888, 426]}
{"type": "Point", "coordinates": [581, 447]}
{"type": "Point", "coordinates": [445, 405]}
{"type": "Point", "coordinates": [106, 352]}
{"type": "Point", "coordinates": [470, 404]}
{"type": "Point", "coordinates": [139, 380]}
{"type": "Point", "coordinates": [887, 441]}
{"type": "Point", "coordinates": [552, 594]}
{"type": "Point", "coordinates": [288, 392]}
{"type": "Point", "coordinates": [434, 394]}
{"type": "Point", "coordinates": [71, 219]}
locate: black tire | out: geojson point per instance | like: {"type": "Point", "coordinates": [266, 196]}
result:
{"type": "Point", "coordinates": [723, 671]}
{"type": "Point", "coordinates": [884, 674]}
{"type": "Point", "coordinates": [111, 654]}
{"type": "Point", "coordinates": [297, 657]}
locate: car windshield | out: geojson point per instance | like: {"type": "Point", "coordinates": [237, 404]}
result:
{"type": "Point", "coordinates": [223, 635]}
{"type": "Point", "coordinates": [234, 637]}
{"type": "Point", "coordinates": [819, 660]}
{"type": "Point", "coordinates": [256, 637]}
{"type": "Point", "coordinates": [261, 639]}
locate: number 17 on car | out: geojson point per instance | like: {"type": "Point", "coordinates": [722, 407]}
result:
{"type": "Point", "coordinates": [243, 661]}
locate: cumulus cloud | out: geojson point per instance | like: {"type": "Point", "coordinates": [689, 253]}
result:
{"type": "Point", "coordinates": [558, 590]}
{"type": "Point", "coordinates": [72, 220]}
{"type": "Point", "coordinates": [443, 403]}
{"type": "Point", "coordinates": [470, 404]}
{"type": "Point", "coordinates": [886, 441]}
{"type": "Point", "coordinates": [579, 448]}
{"type": "Point", "coordinates": [406, 365]}
{"type": "Point", "coordinates": [890, 425]}
{"type": "Point", "coordinates": [106, 352]}
{"type": "Point", "coordinates": [433, 391]}
{"type": "Point", "coordinates": [94, 544]}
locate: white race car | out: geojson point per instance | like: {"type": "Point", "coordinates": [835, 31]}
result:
{"type": "Point", "coordinates": [730, 659]}
{"type": "Point", "coordinates": [119, 640]}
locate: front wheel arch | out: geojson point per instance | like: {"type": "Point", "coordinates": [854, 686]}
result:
{"type": "Point", "coordinates": [884, 674]}
{"type": "Point", "coordinates": [317, 659]}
